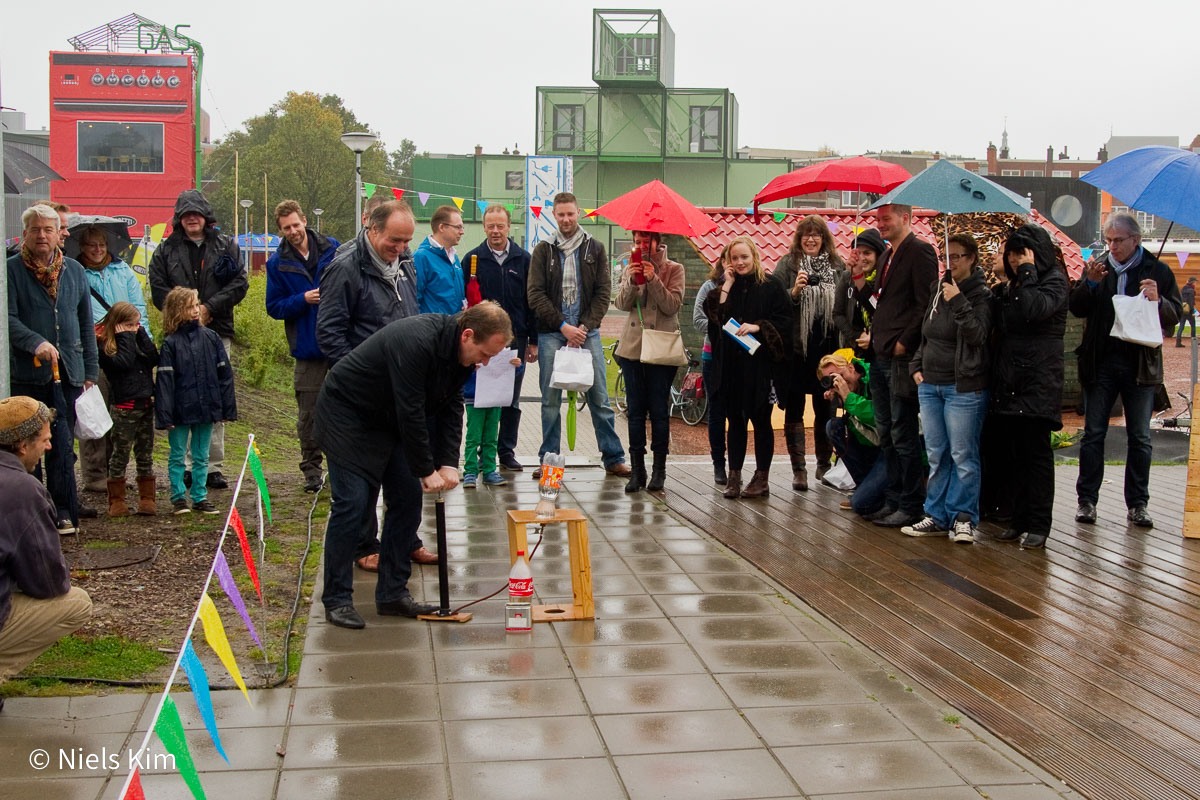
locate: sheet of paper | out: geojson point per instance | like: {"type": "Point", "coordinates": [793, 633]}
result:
{"type": "Point", "coordinates": [494, 382]}
{"type": "Point", "coordinates": [746, 340]}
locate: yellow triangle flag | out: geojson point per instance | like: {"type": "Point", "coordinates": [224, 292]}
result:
{"type": "Point", "coordinates": [587, 212]}
{"type": "Point", "coordinates": [214, 634]}
{"type": "Point", "coordinates": [458, 201]}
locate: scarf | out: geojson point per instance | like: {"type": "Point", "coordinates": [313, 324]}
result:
{"type": "Point", "coordinates": [47, 276]}
{"type": "Point", "coordinates": [814, 305]}
{"type": "Point", "coordinates": [1122, 269]}
{"type": "Point", "coordinates": [391, 272]}
{"type": "Point", "coordinates": [568, 247]}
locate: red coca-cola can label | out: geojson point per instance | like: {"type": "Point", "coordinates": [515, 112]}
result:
{"type": "Point", "coordinates": [520, 587]}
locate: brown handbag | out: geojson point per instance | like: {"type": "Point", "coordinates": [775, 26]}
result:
{"type": "Point", "coordinates": [661, 347]}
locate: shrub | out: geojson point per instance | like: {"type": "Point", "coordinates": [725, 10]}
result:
{"type": "Point", "coordinates": [262, 354]}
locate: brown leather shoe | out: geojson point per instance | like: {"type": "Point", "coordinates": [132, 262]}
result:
{"type": "Point", "coordinates": [733, 486]}
{"type": "Point", "coordinates": [620, 470]}
{"type": "Point", "coordinates": [368, 563]}
{"type": "Point", "coordinates": [758, 486]}
{"type": "Point", "coordinates": [422, 556]}
{"type": "Point", "coordinates": [800, 480]}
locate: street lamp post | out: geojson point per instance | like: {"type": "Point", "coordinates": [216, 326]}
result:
{"type": "Point", "coordinates": [359, 142]}
{"type": "Point", "coordinates": [246, 205]}
{"type": "Point", "coordinates": [318, 212]}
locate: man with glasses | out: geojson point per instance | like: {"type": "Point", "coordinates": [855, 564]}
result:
{"type": "Point", "coordinates": [1111, 368]}
{"type": "Point", "coordinates": [502, 269]}
{"type": "Point", "coordinates": [440, 288]}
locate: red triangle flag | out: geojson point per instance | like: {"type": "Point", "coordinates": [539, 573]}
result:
{"type": "Point", "coordinates": [134, 792]}
{"type": "Point", "coordinates": [236, 519]}
{"type": "Point", "coordinates": [537, 211]}
{"type": "Point", "coordinates": [398, 192]}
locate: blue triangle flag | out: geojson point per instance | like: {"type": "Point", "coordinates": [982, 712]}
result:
{"type": "Point", "coordinates": [483, 204]}
{"type": "Point", "coordinates": [198, 680]}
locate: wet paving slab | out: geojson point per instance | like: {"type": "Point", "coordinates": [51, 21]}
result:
{"type": "Point", "coordinates": [698, 678]}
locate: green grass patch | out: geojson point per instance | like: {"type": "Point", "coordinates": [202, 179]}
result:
{"type": "Point", "coordinates": [104, 657]}
{"type": "Point", "coordinates": [102, 544]}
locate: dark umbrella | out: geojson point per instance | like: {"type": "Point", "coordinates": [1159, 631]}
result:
{"type": "Point", "coordinates": [22, 171]}
{"type": "Point", "coordinates": [116, 234]}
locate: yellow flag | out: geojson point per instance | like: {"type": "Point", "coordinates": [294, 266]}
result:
{"type": "Point", "coordinates": [458, 201]}
{"type": "Point", "coordinates": [214, 634]}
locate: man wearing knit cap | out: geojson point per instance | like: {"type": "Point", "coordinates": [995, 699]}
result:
{"type": "Point", "coordinates": [38, 605]}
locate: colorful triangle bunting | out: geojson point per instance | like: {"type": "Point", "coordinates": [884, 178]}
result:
{"type": "Point", "coordinates": [134, 790]}
{"type": "Point", "coordinates": [214, 634]}
{"type": "Point", "coordinates": [424, 197]}
{"type": "Point", "coordinates": [458, 201]}
{"type": "Point", "coordinates": [235, 519]}
{"type": "Point", "coordinates": [511, 207]}
{"type": "Point", "coordinates": [370, 189]}
{"type": "Point", "coordinates": [537, 211]}
{"type": "Point", "coordinates": [778, 215]}
{"type": "Point", "coordinates": [399, 193]}
{"type": "Point", "coordinates": [257, 470]}
{"type": "Point", "coordinates": [198, 680]}
{"type": "Point", "coordinates": [587, 212]}
{"type": "Point", "coordinates": [483, 204]}
{"type": "Point", "coordinates": [170, 732]}
{"type": "Point", "coordinates": [1183, 257]}
{"type": "Point", "coordinates": [231, 591]}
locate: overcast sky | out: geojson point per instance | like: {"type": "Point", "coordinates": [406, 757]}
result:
{"type": "Point", "coordinates": [856, 76]}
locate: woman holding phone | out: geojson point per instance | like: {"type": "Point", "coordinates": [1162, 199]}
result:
{"type": "Point", "coordinates": [951, 369]}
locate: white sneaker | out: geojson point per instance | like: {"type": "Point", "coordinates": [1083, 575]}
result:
{"type": "Point", "coordinates": [963, 533]}
{"type": "Point", "coordinates": [926, 527]}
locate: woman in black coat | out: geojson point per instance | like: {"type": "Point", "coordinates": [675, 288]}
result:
{"type": "Point", "coordinates": [744, 380]}
{"type": "Point", "coordinates": [1027, 381]}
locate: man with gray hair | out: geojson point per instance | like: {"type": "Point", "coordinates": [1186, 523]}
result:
{"type": "Point", "coordinates": [50, 333]}
{"type": "Point", "coordinates": [1111, 368]}
{"type": "Point", "coordinates": [38, 605]}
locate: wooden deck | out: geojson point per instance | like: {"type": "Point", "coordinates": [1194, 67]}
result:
{"type": "Point", "coordinates": [1085, 656]}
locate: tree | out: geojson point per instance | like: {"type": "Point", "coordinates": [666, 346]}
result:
{"type": "Point", "coordinates": [297, 145]}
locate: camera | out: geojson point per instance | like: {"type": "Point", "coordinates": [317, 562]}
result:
{"type": "Point", "coordinates": [827, 382]}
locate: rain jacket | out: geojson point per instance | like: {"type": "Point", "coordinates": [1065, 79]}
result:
{"type": "Point", "coordinates": [116, 283]}
{"type": "Point", "coordinates": [195, 382]}
{"type": "Point", "coordinates": [356, 300]}
{"type": "Point", "coordinates": [505, 283]}
{"type": "Point", "coordinates": [440, 287]}
{"type": "Point", "coordinates": [968, 320]}
{"type": "Point", "coordinates": [65, 322]}
{"type": "Point", "coordinates": [130, 370]}
{"type": "Point", "coordinates": [287, 281]}
{"type": "Point", "coordinates": [220, 279]}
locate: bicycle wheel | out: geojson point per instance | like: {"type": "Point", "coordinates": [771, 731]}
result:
{"type": "Point", "coordinates": [618, 398]}
{"type": "Point", "coordinates": [693, 409]}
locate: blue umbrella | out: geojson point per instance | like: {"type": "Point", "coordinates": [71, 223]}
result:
{"type": "Point", "coordinates": [951, 189]}
{"type": "Point", "coordinates": [1164, 181]}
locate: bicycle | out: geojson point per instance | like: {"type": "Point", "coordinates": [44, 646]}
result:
{"type": "Point", "coordinates": [691, 407]}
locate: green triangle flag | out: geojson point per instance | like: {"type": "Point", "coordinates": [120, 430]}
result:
{"type": "Point", "coordinates": [778, 215]}
{"type": "Point", "coordinates": [510, 207]}
{"type": "Point", "coordinates": [370, 189]}
{"type": "Point", "coordinates": [256, 469]}
{"type": "Point", "coordinates": [170, 731]}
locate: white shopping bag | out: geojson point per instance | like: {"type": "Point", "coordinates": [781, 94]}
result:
{"type": "Point", "coordinates": [1137, 320]}
{"type": "Point", "coordinates": [839, 477]}
{"type": "Point", "coordinates": [91, 415]}
{"type": "Point", "coordinates": [573, 370]}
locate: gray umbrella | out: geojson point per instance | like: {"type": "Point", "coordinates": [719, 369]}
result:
{"type": "Point", "coordinates": [116, 232]}
{"type": "Point", "coordinates": [22, 171]}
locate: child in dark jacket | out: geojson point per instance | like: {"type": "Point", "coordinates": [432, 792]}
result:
{"type": "Point", "coordinates": [128, 358]}
{"type": "Point", "coordinates": [194, 389]}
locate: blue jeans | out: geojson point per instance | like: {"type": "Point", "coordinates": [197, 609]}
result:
{"type": "Point", "coordinates": [899, 437]}
{"type": "Point", "coordinates": [597, 399]}
{"type": "Point", "coordinates": [648, 393]}
{"type": "Point", "coordinates": [201, 439]}
{"type": "Point", "coordinates": [953, 424]}
{"type": "Point", "coordinates": [353, 503]}
{"type": "Point", "coordinates": [60, 460]}
{"type": "Point", "coordinates": [866, 464]}
{"type": "Point", "coordinates": [1116, 376]}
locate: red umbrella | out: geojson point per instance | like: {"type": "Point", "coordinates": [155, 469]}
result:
{"type": "Point", "coordinates": [860, 174]}
{"type": "Point", "coordinates": [655, 207]}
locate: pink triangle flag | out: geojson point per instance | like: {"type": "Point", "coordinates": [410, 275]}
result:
{"type": "Point", "coordinates": [1183, 257]}
{"type": "Point", "coordinates": [423, 197]}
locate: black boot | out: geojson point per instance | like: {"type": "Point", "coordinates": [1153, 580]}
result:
{"type": "Point", "coordinates": [719, 476]}
{"type": "Point", "coordinates": [637, 473]}
{"type": "Point", "coordinates": [658, 475]}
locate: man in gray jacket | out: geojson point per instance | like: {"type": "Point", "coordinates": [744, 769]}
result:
{"type": "Point", "coordinates": [50, 332]}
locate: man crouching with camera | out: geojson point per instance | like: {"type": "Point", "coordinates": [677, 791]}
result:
{"type": "Point", "coordinates": [846, 381]}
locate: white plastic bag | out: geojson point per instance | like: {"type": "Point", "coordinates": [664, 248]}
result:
{"type": "Point", "coordinates": [839, 477]}
{"type": "Point", "coordinates": [573, 371]}
{"type": "Point", "coordinates": [1137, 320]}
{"type": "Point", "coordinates": [91, 415]}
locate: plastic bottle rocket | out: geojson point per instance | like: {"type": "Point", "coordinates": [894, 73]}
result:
{"type": "Point", "coordinates": [518, 612]}
{"type": "Point", "coordinates": [474, 295]}
{"type": "Point", "coordinates": [553, 467]}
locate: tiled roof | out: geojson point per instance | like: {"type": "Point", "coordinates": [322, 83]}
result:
{"type": "Point", "coordinates": [774, 238]}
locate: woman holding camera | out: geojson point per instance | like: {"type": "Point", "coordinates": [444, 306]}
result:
{"type": "Point", "coordinates": [951, 370]}
{"type": "Point", "coordinates": [742, 378]}
{"type": "Point", "coordinates": [809, 273]}
{"type": "Point", "coordinates": [1027, 380]}
{"type": "Point", "coordinates": [653, 285]}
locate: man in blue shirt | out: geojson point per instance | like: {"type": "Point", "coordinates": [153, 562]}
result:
{"type": "Point", "coordinates": [439, 275]}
